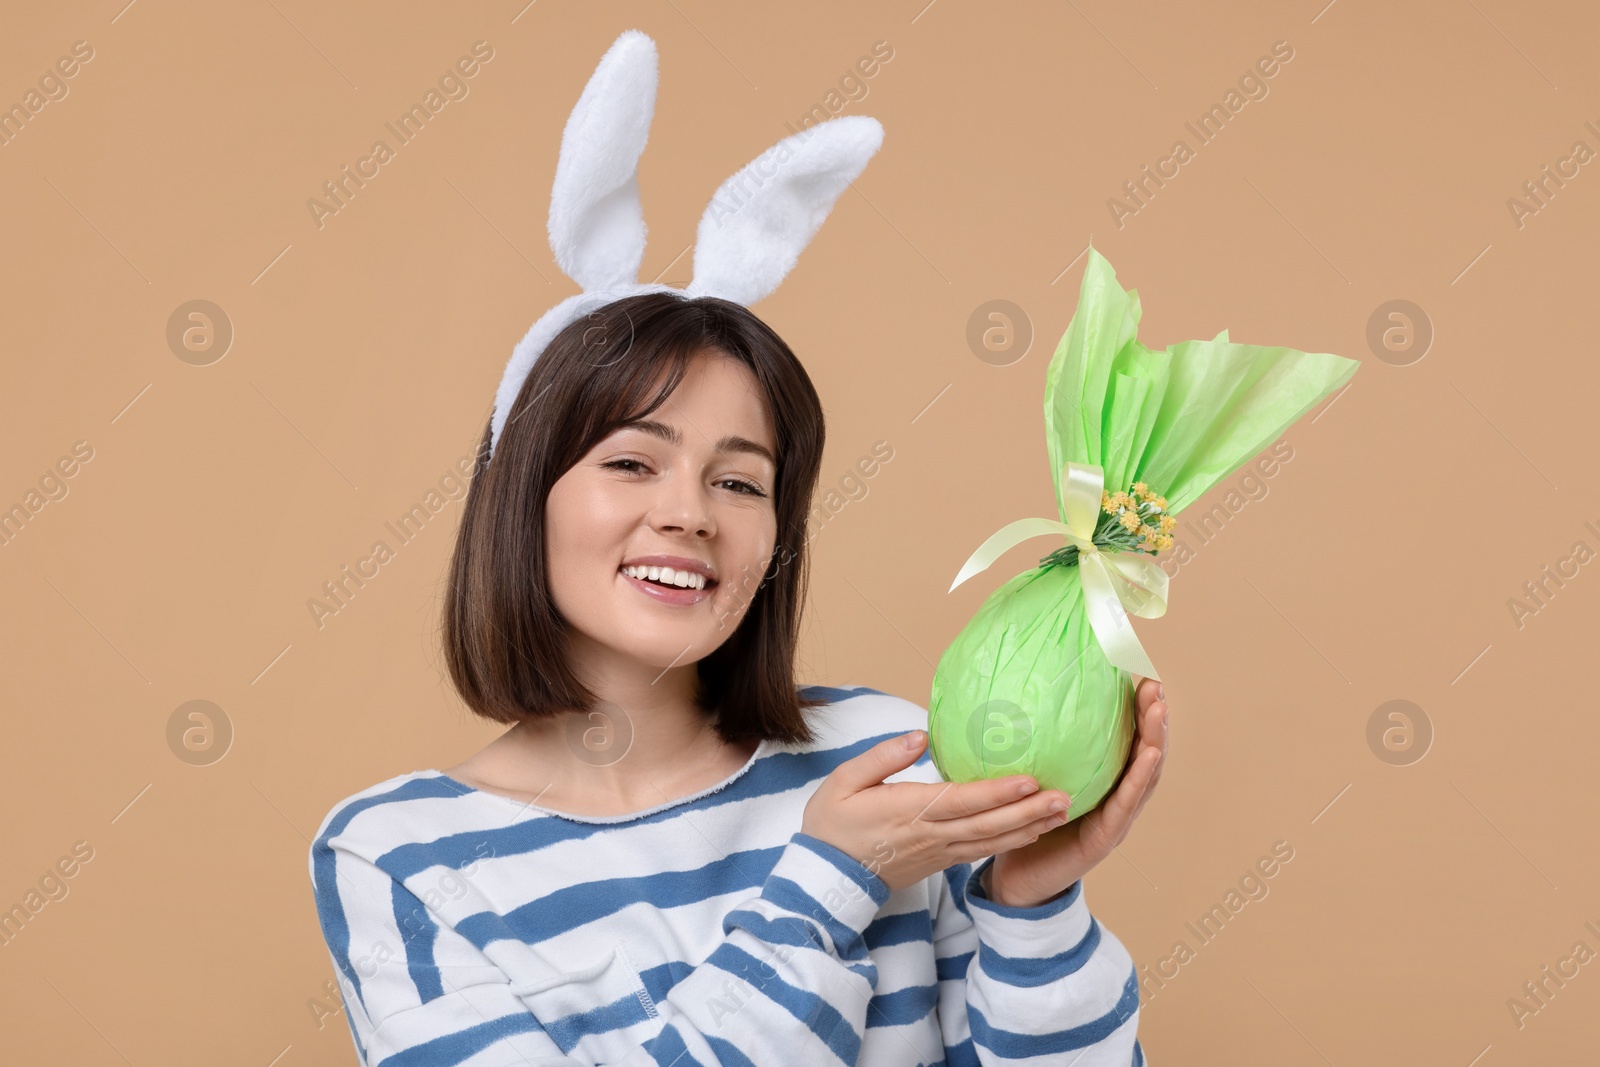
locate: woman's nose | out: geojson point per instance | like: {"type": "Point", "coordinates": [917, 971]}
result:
{"type": "Point", "coordinates": [684, 505]}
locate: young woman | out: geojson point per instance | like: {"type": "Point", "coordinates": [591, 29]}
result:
{"type": "Point", "coordinates": [675, 855]}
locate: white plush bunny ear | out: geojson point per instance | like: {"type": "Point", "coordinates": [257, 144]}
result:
{"type": "Point", "coordinates": [761, 218]}
{"type": "Point", "coordinates": [596, 226]}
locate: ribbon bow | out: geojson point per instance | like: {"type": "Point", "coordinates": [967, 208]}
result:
{"type": "Point", "coordinates": [1114, 583]}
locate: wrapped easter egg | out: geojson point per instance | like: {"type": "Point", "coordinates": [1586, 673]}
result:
{"type": "Point", "coordinates": [1041, 679]}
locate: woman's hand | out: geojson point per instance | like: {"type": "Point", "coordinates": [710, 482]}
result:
{"type": "Point", "coordinates": [1038, 872]}
{"type": "Point", "coordinates": [905, 831]}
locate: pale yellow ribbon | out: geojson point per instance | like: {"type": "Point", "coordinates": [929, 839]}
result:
{"type": "Point", "coordinates": [1114, 583]}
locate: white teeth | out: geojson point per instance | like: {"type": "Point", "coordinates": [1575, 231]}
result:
{"type": "Point", "coordinates": [667, 576]}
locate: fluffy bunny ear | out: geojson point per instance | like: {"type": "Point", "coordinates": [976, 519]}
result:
{"type": "Point", "coordinates": [761, 218]}
{"type": "Point", "coordinates": [596, 225]}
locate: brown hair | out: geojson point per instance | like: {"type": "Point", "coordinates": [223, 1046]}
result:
{"type": "Point", "coordinates": [504, 641]}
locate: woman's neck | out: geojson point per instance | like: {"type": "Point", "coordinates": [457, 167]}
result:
{"type": "Point", "coordinates": [645, 742]}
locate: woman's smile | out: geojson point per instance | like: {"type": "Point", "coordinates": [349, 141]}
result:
{"type": "Point", "coordinates": [660, 590]}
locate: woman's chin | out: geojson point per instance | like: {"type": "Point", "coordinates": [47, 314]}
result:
{"type": "Point", "coordinates": [664, 645]}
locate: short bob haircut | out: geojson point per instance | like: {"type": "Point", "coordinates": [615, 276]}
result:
{"type": "Point", "coordinates": [505, 643]}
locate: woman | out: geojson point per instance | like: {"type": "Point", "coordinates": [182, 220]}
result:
{"type": "Point", "coordinates": [674, 855]}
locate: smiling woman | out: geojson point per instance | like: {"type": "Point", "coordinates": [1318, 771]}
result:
{"type": "Point", "coordinates": [679, 855]}
{"type": "Point", "coordinates": [688, 851]}
{"type": "Point", "coordinates": [652, 428]}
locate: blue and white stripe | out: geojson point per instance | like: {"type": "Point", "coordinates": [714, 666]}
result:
{"type": "Point", "coordinates": [470, 929]}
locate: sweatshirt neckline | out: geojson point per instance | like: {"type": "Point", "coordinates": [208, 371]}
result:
{"type": "Point", "coordinates": [632, 816]}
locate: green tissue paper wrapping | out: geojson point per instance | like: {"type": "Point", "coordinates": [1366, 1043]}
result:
{"type": "Point", "coordinates": [1026, 688]}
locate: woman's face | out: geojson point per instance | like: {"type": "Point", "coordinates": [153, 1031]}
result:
{"type": "Point", "coordinates": [694, 480]}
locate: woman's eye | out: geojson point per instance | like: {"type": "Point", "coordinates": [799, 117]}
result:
{"type": "Point", "coordinates": [740, 485]}
{"type": "Point", "coordinates": [749, 488]}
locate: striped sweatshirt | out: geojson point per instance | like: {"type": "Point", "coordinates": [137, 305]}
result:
{"type": "Point", "coordinates": [468, 928]}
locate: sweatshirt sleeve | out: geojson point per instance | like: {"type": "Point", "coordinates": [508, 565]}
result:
{"type": "Point", "coordinates": [789, 983]}
{"type": "Point", "coordinates": [1040, 985]}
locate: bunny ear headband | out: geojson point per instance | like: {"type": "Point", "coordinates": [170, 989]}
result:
{"type": "Point", "coordinates": [752, 231]}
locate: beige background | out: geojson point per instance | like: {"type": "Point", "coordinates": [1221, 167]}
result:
{"type": "Point", "coordinates": [1377, 566]}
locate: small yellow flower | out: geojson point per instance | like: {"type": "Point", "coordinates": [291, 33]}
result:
{"type": "Point", "coordinates": [1140, 511]}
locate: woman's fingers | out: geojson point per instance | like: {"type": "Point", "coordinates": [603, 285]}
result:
{"type": "Point", "coordinates": [1153, 735]}
{"type": "Point", "coordinates": [958, 800]}
{"type": "Point", "coordinates": [1022, 835]}
{"type": "Point", "coordinates": [879, 762]}
{"type": "Point", "coordinates": [1006, 818]}
{"type": "Point", "coordinates": [1150, 787]}
{"type": "Point", "coordinates": [1118, 812]}
{"type": "Point", "coordinates": [1159, 736]}
{"type": "Point", "coordinates": [1148, 691]}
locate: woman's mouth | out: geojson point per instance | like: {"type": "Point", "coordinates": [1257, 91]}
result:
{"type": "Point", "coordinates": [667, 585]}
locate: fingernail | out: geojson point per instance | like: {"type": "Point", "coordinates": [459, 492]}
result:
{"type": "Point", "coordinates": [1058, 805]}
{"type": "Point", "coordinates": [1027, 788]}
{"type": "Point", "coordinates": [1161, 691]}
{"type": "Point", "coordinates": [913, 739]}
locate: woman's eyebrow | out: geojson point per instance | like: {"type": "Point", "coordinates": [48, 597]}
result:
{"type": "Point", "coordinates": [730, 443]}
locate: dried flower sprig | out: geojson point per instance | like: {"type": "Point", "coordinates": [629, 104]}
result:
{"type": "Point", "coordinates": [1136, 520]}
